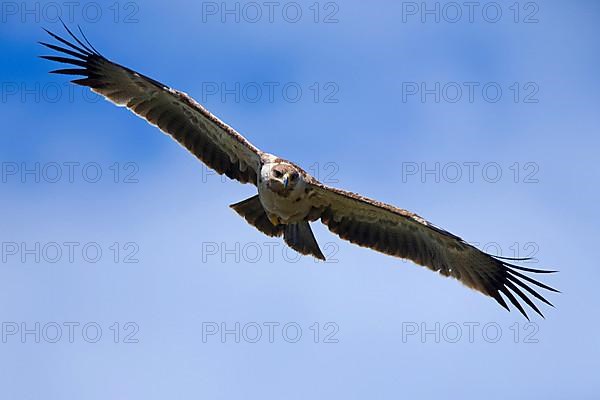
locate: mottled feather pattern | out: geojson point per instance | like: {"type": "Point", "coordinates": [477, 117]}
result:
{"type": "Point", "coordinates": [175, 113]}
{"type": "Point", "coordinates": [396, 232]}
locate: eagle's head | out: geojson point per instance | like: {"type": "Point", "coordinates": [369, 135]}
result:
{"type": "Point", "coordinates": [281, 178]}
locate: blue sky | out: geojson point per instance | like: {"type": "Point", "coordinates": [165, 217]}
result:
{"type": "Point", "coordinates": [515, 172]}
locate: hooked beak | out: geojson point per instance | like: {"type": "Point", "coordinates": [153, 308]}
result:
{"type": "Point", "coordinates": [286, 179]}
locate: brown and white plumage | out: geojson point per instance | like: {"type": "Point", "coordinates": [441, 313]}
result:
{"type": "Point", "coordinates": [288, 198]}
{"type": "Point", "coordinates": [400, 233]}
{"type": "Point", "coordinates": [215, 143]}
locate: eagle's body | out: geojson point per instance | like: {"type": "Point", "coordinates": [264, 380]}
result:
{"type": "Point", "coordinates": [288, 198]}
{"type": "Point", "coordinates": [285, 196]}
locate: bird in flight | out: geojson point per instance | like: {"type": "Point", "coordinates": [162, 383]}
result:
{"type": "Point", "coordinates": [288, 198]}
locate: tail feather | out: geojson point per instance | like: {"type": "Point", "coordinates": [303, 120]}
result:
{"type": "Point", "coordinates": [300, 237]}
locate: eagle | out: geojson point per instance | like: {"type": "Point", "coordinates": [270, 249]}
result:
{"type": "Point", "coordinates": [288, 199]}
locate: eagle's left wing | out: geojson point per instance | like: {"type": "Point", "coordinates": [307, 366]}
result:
{"type": "Point", "coordinates": [218, 145]}
{"type": "Point", "coordinates": [400, 233]}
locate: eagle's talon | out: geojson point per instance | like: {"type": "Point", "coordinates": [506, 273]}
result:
{"type": "Point", "coordinates": [274, 219]}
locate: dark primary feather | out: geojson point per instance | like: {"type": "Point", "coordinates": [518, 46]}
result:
{"type": "Point", "coordinates": [219, 146]}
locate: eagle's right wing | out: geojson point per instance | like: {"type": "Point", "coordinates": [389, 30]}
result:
{"type": "Point", "coordinates": [219, 146]}
{"type": "Point", "coordinates": [400, 233]}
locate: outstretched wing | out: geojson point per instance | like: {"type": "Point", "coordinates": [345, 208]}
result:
{"type": "Point", "coordinates": [219, 146]}
{"type": "Point", "coordinates": [400, 233]}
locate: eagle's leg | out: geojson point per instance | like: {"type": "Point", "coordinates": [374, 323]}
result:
{"type": "Point", "coordinates": [300, 237]}
{"type": "Point", "coordinates": [253, 212]}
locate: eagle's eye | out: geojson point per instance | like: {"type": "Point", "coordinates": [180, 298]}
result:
{"type": "Point", "coordinates": [277, 173]}
{"type": "Point", "coordinates": [294, 176]}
